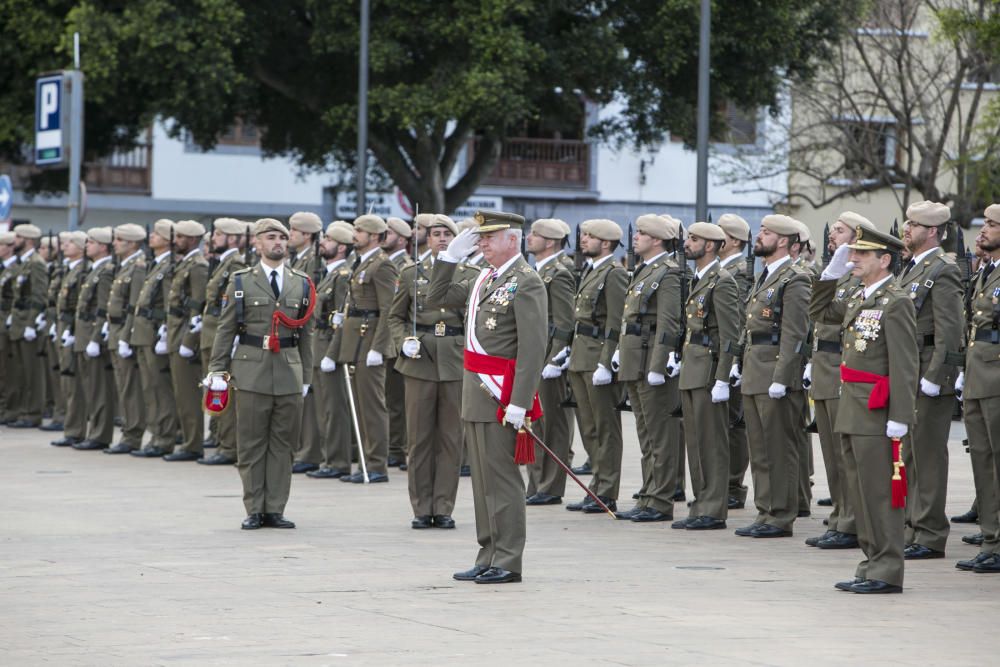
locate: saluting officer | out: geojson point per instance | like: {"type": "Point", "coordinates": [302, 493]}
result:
{"type": "Point", "coordinates": [30, 292]}
{"type": "Point", "coordinates": [774, 342]}
{"type": "Point", "coordinates": [397, 236]}
{"type": "Point", "coordinates": [267, 313]}
{"type": "Point", "coordinates": [71, 374]}
{"type": "Point", "coordinates": [431, 366]}
{"type": "Point", "coordinates": [934, 285]}
{"type": "Point", "coordinates": [878, 371]}
{"type": "Point", "coordinates": [125, 290]}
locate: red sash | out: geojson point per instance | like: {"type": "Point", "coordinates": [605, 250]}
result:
{"type": "Point", "coordinates": [879, 397]}
{"type": "Point", "coordinates": [475, 362]}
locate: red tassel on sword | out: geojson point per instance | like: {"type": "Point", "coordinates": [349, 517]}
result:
{"type": "Point", "coordinates": [898, 475]}
{"type": "Point", "coordinates": [524, 446]}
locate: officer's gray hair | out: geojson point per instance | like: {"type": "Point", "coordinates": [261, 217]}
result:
{"type": "Point", "coordinates": [513, 233]}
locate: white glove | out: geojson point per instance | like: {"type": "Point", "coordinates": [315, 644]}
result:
{"type": "Point", "coordinates": [928, 388]}
{"type": "Point", "coordinates": [735, 377]}
{"type": "Point", "coordinates": [656, 379]}
{"type": "Point", "coordinates": [807, 376]}
{"type": "Point", "coordinates": [562, 359]}
{"type": "Point", "coordinates": [162, 331]}
{"type": "Point", "coordinates": [777, 390]}
{"type": "Point", "coordinates": [53, 332]}
{"type": "Point", "coordinates": [373, 359]}
{"type": "Point", "coordinates": [616, 360]}
{"type": "Point", "coordinates": [895, 429]}
{"type": "Point", "coordinates": [327, 365]}
{"type": "Point", "coordinates": [30, 334]}
{"type": "Point", "coordinates": [602, 376]}
{"type": "Point", "coordinates": [68, 339]}
{"type": "Point", "coordinates": [104, 332]}
{"type": "Point", "coordinates": [124, 349]}
{"type": "Point", "coordinates": [185, 352]}
{"type": "Point", "coordinates": [10, 319]}
{"type": "Point", "coordinates": [195, 326]}
{"type": "Point", "coordinates": [93, 350]}
{"type": "Point", "coordinates": [462, 245]}
{"type": "Point", "coordinates": [550, 372]}
{"type": "Point", "coordinates": [215, 382]}
{"type": "Point", "coordinates": [839, 266]}
{"type": "Point", "coordinates": [40, 320]}
{"type": "Point", "coordinates": [673, 365]}
{"type": "Point", "coordinates": [960, 384]}
{"type": "Point", "coordinates": [338, 318]}
{"type": "Point", "coordinates": [411, 348]}
{"type": "Point", "coordinates": [305, 390]}
{"type": "Point", "coordinates": [160, 347]}
{"type": "Point", "coordinates": [514, 416]}
{"type": "Point", "coordinates": [720, 392]}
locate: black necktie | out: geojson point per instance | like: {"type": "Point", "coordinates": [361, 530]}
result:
{"type": "Point", "coordinates": [694, 283]}
{"type": "Point", "coordinates": [274, 284]}
{"type": "Point", "coordinates": [357, 261]}
{"type": "Point", "coordinates": [909, 266]}
{"type": "Point", "coordinates": [763, 277]}
{"type": "Point", "coordinates": [986, 273]}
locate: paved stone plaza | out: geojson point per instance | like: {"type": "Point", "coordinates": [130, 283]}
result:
{"type": "Point", "coordinates": [124, 561]}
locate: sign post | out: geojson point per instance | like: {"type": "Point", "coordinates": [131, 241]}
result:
{"type": "Point", "coordinates": [6, 200]}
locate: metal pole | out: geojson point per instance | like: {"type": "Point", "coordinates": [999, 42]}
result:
{"type": "Point", "coordinates": [701, 195]}
{"type": "Point", "coordinates": [75, 135]}
{"type": "Point", "coordinates": [363, 106]}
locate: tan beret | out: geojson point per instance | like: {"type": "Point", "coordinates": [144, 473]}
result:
{"type": "Point", "coordinates": [163, 227]}
{"type": "Point", "coordinates": [708, 231]}
{"type": "Point", "coordinates": [189, 228]}
{"type": "Point", "coordinates": [494, 221]}
{"type": "Point", "coordinates": [229, 226]}
{"type": "Point", "coordinates": [855, 220]}
{"type": "Point", "coordinates": [441, 220]}
{"type": "Point", "coordinates": [928, 213]}
{"type": "Point", "coordinates": [28, 231]}
{"type": "Point", "coordinates": [100, 234]}
{"type": "Point", "coordinates": [306, 222]}
{"type": "Point", "coordinates": [675, 226]}
{"type": "Point", "coordinates": [735, 226]}
{"type": "Point", "coordinates": [370, 223]}
{"type": "Point", "coordinates": [601, 228]}
{"type": "Point", "coordinates": [78, 238]}
{"type": "Point", "coordinates": [550, 228]}
{"type": "Point", "coordinates": [341, 232]}
{"type": "Point", "coordinates": [781, 224]}
{"type": "Point", "coordinates": [265, 225]}
{"type": "Point", "coordinates": [130, 232]}
{"type": "Point", "coordinates": [399, 226]}
{"type": "Point", "coordinates": [7, 238]}
{"type": "Point", "coordinates": [993, 212]}
{"type": "Point", "coordinates": [48, 241]}
{"type": "Point", "coordinates": [466, 223]}
{"type": "Point", "coordinates": [804, 235]}
{"type": "Point", "coordinates": [656, 226]}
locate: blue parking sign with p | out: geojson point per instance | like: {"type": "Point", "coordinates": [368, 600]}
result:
{"type": "Point", "coordinates": [48, 120]}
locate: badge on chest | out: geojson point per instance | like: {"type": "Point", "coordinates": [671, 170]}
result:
{"type": "Point", "coordinates": [505, 294]}
{"type": "Point", "coordinates": [867, 326]}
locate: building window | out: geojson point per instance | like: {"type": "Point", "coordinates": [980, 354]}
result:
{"type": "Point", "coordinates": [739, 127]}
{"type": "Point", "coordinates": [241, 133]}
{"type": "Point", "coordinates": [869, 148]}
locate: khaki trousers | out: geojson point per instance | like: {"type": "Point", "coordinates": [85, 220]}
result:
{"type": "Point", "coordinates": [982, 423]}
{"type": "Point", "coordinates": [368, 384]}
{"type": "Point", "coordinates": [497, 494]}
{"type": "Point", "coordinates": [161, 415]}
{"type": "Point", "coordinates": [842, 516]}
{"type": "Point", "coordinates": [925, 454]}
{"type": "Point", "coordinates": [659, 433]}
{"type": "Point", "coordinates": [434, 431]}
{"type": "Point", "coordinates": [8, 375]}
{"type": "Point", "coordinates": [395, 402]}
{"type": "Point", "coordinates": [73, 380]}
{"type": "Point", "coordinates": [130, 399]}
{"type": "Point", "coordinates": [706, 433]}
{"type": "Point", "coordinates": [556, 431]}
{"type": "Point", "coordinates": [739, 449]}
{"type": "Point", "coordinates": [186, 377]}
{"type": "Point", "coordinates": [336, 427]}
{"type": "Point", "coordinates": [53, 384]}
{"type": "Point", "coordinates": [772, 432]}
{"type": "Point", "coordinates": [99, 382]}
{"type": "Point", "coordinates": [31, 388]}
{"type": "Point", "coordinates": [267, 427]}
{"type": "Point", "coordinates": [601, 431]}
{"type": "Point", "coordinates": [309, 448]}
{"type": "Point", "coordinates": [805, 459]}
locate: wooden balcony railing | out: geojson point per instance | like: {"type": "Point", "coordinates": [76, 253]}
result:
{"type": "Point", "coordinates": [125, 172]}
{"type": "Point", "coordinates": [541, 163]}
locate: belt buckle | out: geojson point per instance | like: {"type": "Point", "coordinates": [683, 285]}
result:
{"type": "Point", "coordinates": [440, 329]}
{"type": "Point", "coordinates": [264, 342]}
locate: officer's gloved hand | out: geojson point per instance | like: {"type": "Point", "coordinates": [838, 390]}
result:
{"type": "Point", "coordinates": [839, 264]}
{"type": "Point", "coordinates": [104, 332]}
{"type": "Point", "coordinates": [777, 390]}
{"type": "Point", "coordinates": [185, 352]}
{"type": "Point", "coordinates": [461, 246]}
{"type": "Point", "coordinates": [735, 377]}
{"type": "Point", "coordinates": [40, 320]}
{"type": "Point", "coordinates": [616, 360]}
{"type": "Point", "coordinates": [338, 318]}
{"type": "Point", "coordinates": [161, 347]}
{"type": "Point", "coordinates": [514, 416]}
{"type": "Point", "coordinates": [162, 331]}
{"type": "Point", "coordinates": [602, 376]}
{"type": "Point", "coordinates": [305, 390]}
{"type": "Point", "coordinates": [411, 348]}
{"type": "Point", "coordinates": [124, 349]}
{"type": "Point", "coordinates": [195, 325]}
{"type": "Point", "coordinates": [550, 372]}
{"type": "Point", "coordinates": [928, 388]}
{"type": "Point", "coordinates": [895, 429]}
{"type": "Point", "coordinates": [68, 339]}
{"type": "Point", "coordinates": [215, 382]}
{"type": "Point", "coordinates": [807, 376]}
{"type": "Point", "coordinates": [720, 392]}
{"type": "Point", "coordinates": [53, 332]}
{"type": "Point", "coordinates": [960, 384]}
{"type": "Point", "coordinates": [10, 320]}
{"type": "Point", "coordinates": [327, 365]}
{"type": "Point", "coordinates": [30, 334]}
{"type": "Point", "coordinates": [655, 379]}
{"type": "Point", "coordinates": [673, 365]}
{"type": "Point", "coordinates": [374, 358]}
{"type": "Point", "coordinates": [93, 350]}
{"type": "Point", "coordinates": [562, 359]}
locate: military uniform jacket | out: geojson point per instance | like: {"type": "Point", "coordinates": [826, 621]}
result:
{"type": "Point", "coordinates": [8, 276]}
{"type": "Point", "coordinates": [982, 356]}
{"type": "Point", "coordinates": [186, 299]}
{"type": "Point", "coordinates": [560, 290]}
{"type": "Point", "coordinates": [56, 273]}
{"type": "Point", "coordinates": [69, 295]}
{"type": "Point", "coordinates": [92, 305]}
{"type": "Point", "coordinates": [777, 312]}
{"type": "Point", "coordinates": [252, 367]}
{"type": "Point", "coordinates": [935, 287]}
{"type": "Point", "coordinates": [651, 319]}
{"type": "Point", "coordinates": [880, 336]}
{"type": "Point", "coordinates": [737, 268]}
{"type": "Point", "coordinates": [215, 292]}
{"type": "Point", "coordinates": [31, 285]}
{"type": "Point", "coordinates": [308, 262]}
{"type": "Point", "coordinates": [331, 295]}
{"type": "Point", "coordinates": [441, 331]}
{"type": "Point", "coordinates": [597, 310]}
{"type": "Point", "coordinates": [150, 311]}
{"type": "Point", "coordinates": [509, 320]}
{"type": "Point", "coordinates": [124, 294]}
{"type": "Point", "coordinates": [366, 327]}
{"type": "Point", "coordinates": [712, 314]}
{"type": "Point", "coordinates": [828, 322]}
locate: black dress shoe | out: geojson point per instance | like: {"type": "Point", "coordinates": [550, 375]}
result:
{"type": "Point", "coordinates": [846, 585]}
{"type": "Point", "coordinates": [970, 565]}
{"type": "Point", "coordinates": [826, 522]}
{"type": "Point", "coordinates": [839, 541]}
{"type": "Point", "coordinates": [252, 522]}
{"type": "Point", "coordinates": [825, 502]}
{"type": "Point", "coordinates": [650, 515]}
{"type": "Point", "coordinates": [216, 459]}
{"type": "Point", "coordinates": [68, 441]}
{"type": "Point", "coordinates": [443, 521]}
{"type": "Point", "coordinates": [875, 586]}
{"type": "Point", "coordinates": [747, 531]}
{"type": "Point", "coordinates": [988, 565]}
{"type": "Point", "coordinates": [637, 495]}
{"type": "Point", "coordinates": [498, 575]}
{"type": "Point", "coordinates": [920, 552]}
{"type": "Point", "coordinates": [803, 514]}
{"type": "Point", "coordinates": [421, 522]}
{"type": "Point", "coordinates": [543, 499]}
{"type": "Point", "coordinates": [767, 530]}
{"type": "Point", "coordinates": [120, 448]}
{"type": "Point", "coordinates": [735, 503]}
{"type": "Point", "coordinates": [470, 574]}
{"type": "Point", "coordinates": [349, 477]}
{"type": "Point", "coordinates": [465, 471]}
{"type": "Point", "coordinates": [51, 426]}
{"type": "Point", "coordinates": [90, 445]}
{"type": "Point", "coordinates": [628, 514]}
{"type": "Point", "coordinates": [593, 508]}
{"type": "Point", "coordinates": [969, 517]}
{"type": "Point", "coordinates": [578, 506]}
{"type": "Point", "coordinates": [182, 456]}
{"type": "Point", "coordinates": [681, 524]}
{"type": "Point", "coordinates": [706, 523]}
{"type": "Point", "coordinates": [376, 478]}
{"type": "Point", "coordinates": [149, 452]}
{"type": "Point", "coordinates": [209, 443]}
{"type": "Point", "coordinates": [585, 469]}
{"type": "Point", "coordinates": [275, 520]}
{"type": "Point", "coordinates": [403, 466]}
{"type": "Point", "coordinates": [24, 423]}
{"type": "Point", "coordinates": [813, 541]}
{"type": "Point", "coordinates": [678, 496]}
{"type": "Point", "coordinates": [393, 462]}
{"type": "Point", "coordinates": [327, 473]}
{"type": "Point", "coordinates": [976, 539]}
{"type": "Point", "coordinates": [302, 466]}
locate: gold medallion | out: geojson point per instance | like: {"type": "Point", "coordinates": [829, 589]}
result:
{"type": "Point", "coordinates": [491, 323]}
{"type": "Point", "coordinates": [860, 345]}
